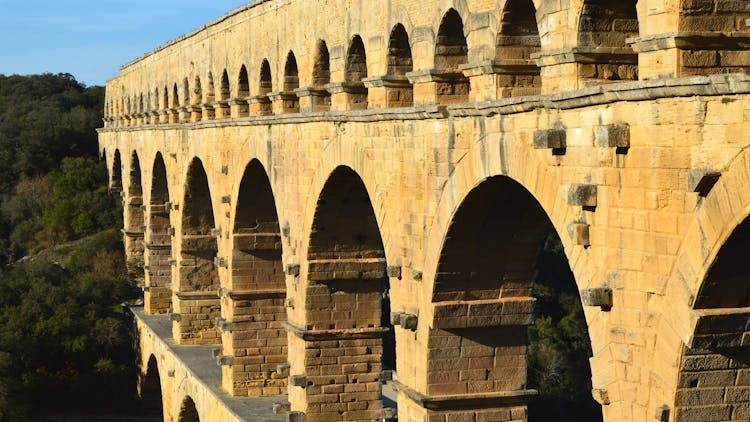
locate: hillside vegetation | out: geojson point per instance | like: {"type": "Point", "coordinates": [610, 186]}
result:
{"type": "Point", "coordinates": [65, 340]}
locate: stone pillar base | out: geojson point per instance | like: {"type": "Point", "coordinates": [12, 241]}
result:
{"type": "Point", "coordinates": [313, 100]}
{"type": "Point", "coordinates": [497, 79]}
{"type": "Point", "coordinates": [238, 107]}
{"type": "Point", "coordinates": [434, 86]}
{"type": "Point", "coordinates": [284, 102]}
{"type": "Point", "coordinates": [389, 91]}
{"type": "Point", "coordinates": [347, 96]}
{"type": "Point", "coordinates": [260, 105]}
{"type": "Point", "coordinates": [208, 112]}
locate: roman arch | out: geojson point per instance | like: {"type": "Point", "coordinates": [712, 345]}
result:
{"type": "Point", "coordinates": [342, 221]}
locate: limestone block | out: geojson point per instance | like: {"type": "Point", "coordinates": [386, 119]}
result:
{"type": "Point", "coordinates": [550, 139]}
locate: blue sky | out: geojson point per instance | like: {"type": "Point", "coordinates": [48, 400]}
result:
{"type": "Point", "coordinates": [91, 39]}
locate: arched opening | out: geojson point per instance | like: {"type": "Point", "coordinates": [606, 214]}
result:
{"type": "Point", "coordinates": [320, 97]}
{"type": "Point", "coordinates": [347, 284]}
{"type": "Point", "coordinates": [451, 51]}
{"type": "Point", "coordinates": [198, 301]}
{"type": "Point", "coordinates": [716, 365]}
{"type": "Point", "coordinates": [207, 103]}
{"type": "Point", "coordinates": [243, 84]}
{"type": "Point", "coordinates": [355, 70]}
{"type": "Point", "coordinates": [134, 222]}
{"type": "Point", "coordinates": [196, 100]}
{"type": "Point", "coordinates": [221, 107]}
{"type": "Point", "coordinates": [288, 97]}
{"type": "Point", "coordinates": [257, 292]}
{"type": "Point", "coordinates": [718, 32]}
{"type": "Point", "coordinates": [265, 84]}
{"type": "Point", "coordinates": [603, 30]}
{"type": "Point", "coordinates": [517, 40]}
{"type": "Point", "coordinates": [158, 294]}
{"type": "Point", "coordinates": [399, 62]}
{"type": "Point", "coordinates": [493, 268]}
{"type": "Point", "coordinates": [141, 109]}
{"type": "Point", "coordinates": [115, 181]}
{"type": "Point", "coordinates": [186, 96]}
{"type": "Point", "coordinates": [239, 105]}
{"type": "Point", "coordinates": [291, 76]}
{"type": "Point", "coordinates": [174, 113]}
{"type": "Point", "coordinates": [261, 103]}
{"type": "Point", "coordinates": [150, 390]}
{"type": "Point", "coordinates": [188, 412]}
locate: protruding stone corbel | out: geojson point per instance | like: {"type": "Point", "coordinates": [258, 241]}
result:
{"type": "Point", "coordinates": [289, 302]}
{"type": "Point", "coordinates": [582, 195]}
{"type": "Point", "coordinates": [613, 136]}
{"type": "Point", "coordinates": [702, 181]}
{"type": "Point", "coordinates": [283, 369]}
{"type": "Point", "coordinates": [220, 262]}
{"type": "Point", "coordinates": [405, 320]}
{"type": "Point", "coordinates": [579, 234]}
{"type": "Point", "coordinates": [393, 271]}
{"type": "Point", "coordinates": [599, 296]}
{"type": "Point", "coordinates": [386, 375]}
{"type": "Point", "coordinates": [225, 169]}
{"type": "Point", "coordinates": [298, 380]}
{"type": "Point", "coordinates": [216, 232]}
{"type": "Point", "coordinates": [174, 317]}
{"type": "Point", "coordinates": [601, 396]}
{"type": "Point", "coordinates": [226, 199]}
{"type": "Point", "coordinates": [170, 231]}
{"type": "Point", "coordinates": [554, 139]}
{"type": "Point", "coordinates": [225, 360]}
{"type": "Point", "coordinates": [296, 417]}
{"type": "Point", "coordinates": [416, 275]}
{"type": "Point", "coordinates": [170, 373]}
{"type": "Point", "coordinates": [292, 269]}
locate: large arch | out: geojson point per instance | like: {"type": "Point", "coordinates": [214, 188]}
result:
{"type": "Point", "coordinates": [254, 304]}
{"type": "Point", "coordinates": [158, 294]}
{"type": "Point", "coordinates": [484, 303]}
{"type": "Point", "coordinates": [451, 51]}
{"type": "Point", "coordinates": [517, 39]}
{"type": "Point", "coordinates": [197, 301]}
{"type": "Point", "coordinates": [347, 284]}
{"type": "Point", "coordinates": [149, 390]}
{"type": "Point", "coordinates": [134, 222]}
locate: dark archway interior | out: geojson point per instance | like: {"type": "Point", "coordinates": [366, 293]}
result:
{"type": "Point", "coordinates": [608, 23]}
{"type": "Point", "coordinates": [321, 68]}
{"type": "Point", "coordinates": [291, 75]}
{"type": "Point", "coordinates": [451, 51]}
{"type": "Point", "coordinates": [266, 83]}
{"type": "Point", "coordinates": [348, 282]}
{"type": "Point", "coordinates": [243, 87]}
{"type": "Point", "coordinates": [175, 97]}
{"type": "Point", "coordinates": [199, 242]}
{"type": "Point", "coordinates": [159, 297]}
{"type": "Point", "coordinates": [151, 397]}
{"type": "Point", "coordinates": [188, 412]}
{"type": "Point", "coordinates": [116, 183]}
{"type": "Point", "coordinates": [356, 61]}
{"type": "Point", "coordinates": [197, 94]}
{"type": "Point", "coordinates": [399, 52]}
{"type": "Point", "coordinates": [726, 283]}
{"type": "Point", "coordinates": [224, 91]}
{"type": "Point", "coordinates": [503, 262]}
{"type": "Point", "coordinates": [720, 334]}
{"type": "Point", "coordinates": [136, 220]}
{"type": "Point", "coordinates": [518, 36]}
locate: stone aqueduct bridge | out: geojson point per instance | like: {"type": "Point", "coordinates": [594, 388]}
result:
{"type": "Point", "coordinates": [320, 190]}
